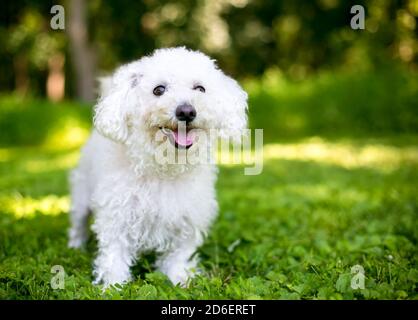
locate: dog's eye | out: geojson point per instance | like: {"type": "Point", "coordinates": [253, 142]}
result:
{"type": "Point", "coordinates": [200, 88]}
{"type": "Point", "coordinates": [158, 91]}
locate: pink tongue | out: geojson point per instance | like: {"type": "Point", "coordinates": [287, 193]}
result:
{"type": "Point", "coordinates": [184, 138]}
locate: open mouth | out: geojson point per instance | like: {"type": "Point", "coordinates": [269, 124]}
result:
{"type": "Point", "coordinates": [181, 138]}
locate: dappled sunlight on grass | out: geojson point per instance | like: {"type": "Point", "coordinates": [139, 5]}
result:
{"type": "Point", "coordinates": [38, 160]}
{"type": "Point", "coordinates": [5, 155]}
{"type": "Point", "coordinates": [327, 191]}
{"type": "Point", "coordinates": [31, 122]}
{"type": "Point", "coordinates": [344, 154]}
{"type": "Point", "coordinates": [35, 172]}
{"type": "Point", "coordinates": [26, 207]}
{"type": "Point", "coordinates": [64, 161]}
{"type": "Point", "coordinates": [70, 136]}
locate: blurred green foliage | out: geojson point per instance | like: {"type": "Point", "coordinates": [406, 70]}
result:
{"type": "Point", "coordinates": [335, 104]}
{"type": "Point", "coordinates": [247, 37]}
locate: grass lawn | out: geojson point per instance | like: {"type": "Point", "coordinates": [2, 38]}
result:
{"type": "Point", "coordinates": [321, 206]}
{"type": "Point", "coordinates": [294, 232]}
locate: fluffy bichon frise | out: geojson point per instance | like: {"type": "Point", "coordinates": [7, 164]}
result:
{"type": "Point", "coordinates": [141, 204]}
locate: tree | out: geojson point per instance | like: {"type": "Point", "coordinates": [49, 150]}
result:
{"type": "Point", "coordinates": [82, 54]}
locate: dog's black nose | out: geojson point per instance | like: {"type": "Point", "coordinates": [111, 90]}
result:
{"type": "Point", "coordinates": [185, 112]}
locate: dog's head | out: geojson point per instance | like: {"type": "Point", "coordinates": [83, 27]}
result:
{"type": "Point", "coordinates": [170, 87]}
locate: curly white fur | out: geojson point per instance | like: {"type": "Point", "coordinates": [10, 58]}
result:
{"type": "Point", "coordinates": [139, 204]}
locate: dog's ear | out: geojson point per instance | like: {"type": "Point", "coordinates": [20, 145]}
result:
{"type": "Point", "coordinates": [117, 99]}
{"type": "Point", "coordinates": [233, 105]}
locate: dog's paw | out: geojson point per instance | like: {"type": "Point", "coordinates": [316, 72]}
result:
{"type": "Point", "coordinates": [109, 281]}
{"type": "Point", "coordinates": [105, 286]}
{"type": "Point", "coordinates": [182, 275]}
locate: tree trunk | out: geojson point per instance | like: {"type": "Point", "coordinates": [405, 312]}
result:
{"type": "Point", "coordinates": [82, 55]}
{"type": "Point", "coordinates": [21, 74]}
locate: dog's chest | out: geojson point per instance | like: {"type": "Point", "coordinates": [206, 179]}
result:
{"type": "Point", "coordinates": [167, 212]}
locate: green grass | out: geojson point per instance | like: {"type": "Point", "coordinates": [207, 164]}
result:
{"type": "Point", "coordinates": [298, 228]}
{"type": "Point", "coordinates": [321, 206]}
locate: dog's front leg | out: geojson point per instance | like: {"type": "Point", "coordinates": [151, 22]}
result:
{"type": "Point", "coordinates": [115, 256]}
{"type": "Point", "coordinates": [180, 263]}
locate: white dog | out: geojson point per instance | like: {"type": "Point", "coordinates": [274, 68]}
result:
{"type": "Point", "coordinates": [138, 203]}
